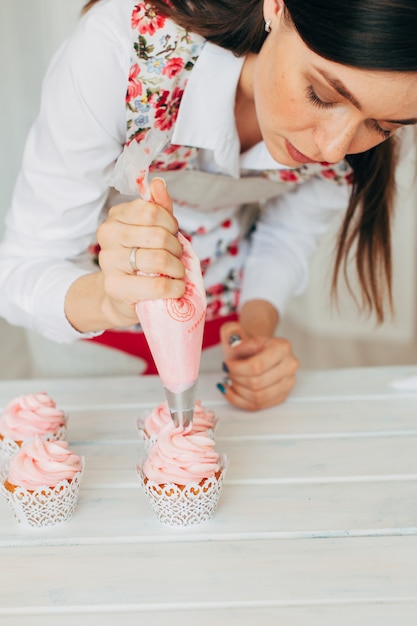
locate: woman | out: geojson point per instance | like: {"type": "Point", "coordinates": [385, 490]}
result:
{"type": "Point", "coordinates": [257, 104]}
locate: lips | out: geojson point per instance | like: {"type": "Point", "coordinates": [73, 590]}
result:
{"type": "Point", "coordinates": [296, 155]}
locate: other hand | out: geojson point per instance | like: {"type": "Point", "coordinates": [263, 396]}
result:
{"type": "Point", "coordinates": [260, 370]}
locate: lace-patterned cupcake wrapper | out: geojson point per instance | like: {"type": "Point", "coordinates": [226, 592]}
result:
{"type": "Point", "coordinates": [44, 506]}
{"type": "Point", "coordinates": [184, 505]}
{"type": "Point", "coordinates": [144, 438]}
{"type": "Point", "coordinates": [9, 447]}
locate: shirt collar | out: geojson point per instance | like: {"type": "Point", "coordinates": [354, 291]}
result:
{"type": "Point", "coordinates": [206, 114]}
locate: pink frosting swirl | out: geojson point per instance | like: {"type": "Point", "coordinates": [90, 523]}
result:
{"type": "Point", "coordinates": [160, 416]}
{"type": "Point", "coordinates": [180, 457]}
{"type": "Point", "coordinates": [30, 415]}
{"type": "Point", "coordinates": [43, 463]}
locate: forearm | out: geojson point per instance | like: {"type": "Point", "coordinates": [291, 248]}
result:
{"type": "Point", "coordinates": [259, 317]}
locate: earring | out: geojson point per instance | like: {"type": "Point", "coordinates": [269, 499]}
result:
{"type": "Point", "coordinates": [268, 26]}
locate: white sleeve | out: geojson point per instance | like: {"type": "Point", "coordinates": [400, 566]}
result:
{"type": "Point", "coordinates": [287, 234]}
{"type": "Point", "coordinates": [63, 184]}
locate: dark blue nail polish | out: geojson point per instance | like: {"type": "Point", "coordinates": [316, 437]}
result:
{"type": "Point", "coordinates": [221, 388]}
{"type": "Point", "coordinates": [235, 340]}
{"type": "Point", "coordinates": [225, 368]}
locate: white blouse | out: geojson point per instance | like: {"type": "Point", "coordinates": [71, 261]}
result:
{"type": "Point", "coordinates": [69, 160]}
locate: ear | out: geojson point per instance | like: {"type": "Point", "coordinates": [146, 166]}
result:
{"type": "Point", "coordinates": [273, 9]}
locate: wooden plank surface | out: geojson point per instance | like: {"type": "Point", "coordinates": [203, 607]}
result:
{"type": "Point", "coordinates": [317, 523]}
{"type": "Point", "coordinates": [290, 570]}
{"type": "Point", "coordinates": [134, 391]}
{"type": "Point", "coordinates": [122, 515]}
{"type": "Point", "coordinates": [393, 613]}
{"type": "Point", "coordinates": [192, 575]}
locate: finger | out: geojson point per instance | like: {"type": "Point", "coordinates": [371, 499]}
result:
{"type": "Point", "coordinates": [146, 260]}
{"type": "Point", "coordinates": [130, 289]}
{"type": "Point", "coordinates": [159, 287]}
{"type": "Point", "coordinates": [271, 377]}
{"type": "Point", "coordinates": [154, 238]}
{"type": "Point", "coordinates": [266, 354]}
{"type": "Point", "coordinates": [235, 343]}
{"type": "Point", "coordinates": [256, 401]}
{"type": "Point", "coordinates": [116, 236]}
{"type": "Point", "coordinates": [143, 213]}
{"type": "Point", "coordinates": [231, 333]}
{"type": "Point", "coordinates": [160, 194]}
{"type": "Point", "coordinates": [121, 298]}
{"type": "Point", "coordinates": [260, 390]}
{"type": "Point", "coordinates": [155, 262]}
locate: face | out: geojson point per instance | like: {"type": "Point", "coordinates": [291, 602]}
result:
{"type": "Point", "coordinates": [311, 109]}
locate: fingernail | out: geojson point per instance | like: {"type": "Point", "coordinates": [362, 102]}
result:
{"type": "Point", "coordinates": [235, 340]}
{"type": "Point", "coordinates": [221, 388]}
{"type": "Point", "coordinates": [161, 179]}
{"type": "Point", "coordinates": [227, 381]}
{"type": "Point", "coordinates": [225, 368]}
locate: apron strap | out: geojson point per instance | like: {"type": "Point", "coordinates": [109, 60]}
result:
{"type": "Point", "coordinates": [135, 343]}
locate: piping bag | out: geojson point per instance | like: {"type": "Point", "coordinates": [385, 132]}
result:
{"type": "Point", "coordinates": [174, 327]}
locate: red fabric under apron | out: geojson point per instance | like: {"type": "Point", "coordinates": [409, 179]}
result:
{"type": "Point", "coordinates": [136, 344]}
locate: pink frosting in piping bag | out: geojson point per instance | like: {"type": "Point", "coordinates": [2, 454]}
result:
{"type": "Point", "coordinates": [174, 326]}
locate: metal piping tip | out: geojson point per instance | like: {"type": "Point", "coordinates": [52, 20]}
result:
{"type": "Point", "coordinates": [183, 418]}
{"type": "Point", "coordinates": [181, 405]}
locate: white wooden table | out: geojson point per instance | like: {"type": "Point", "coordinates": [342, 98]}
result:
{"type": "Point", "coordinates": [317, 523]}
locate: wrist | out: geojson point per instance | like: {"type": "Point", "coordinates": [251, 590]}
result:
{"type": "Point", "coordinates": [259, 317]}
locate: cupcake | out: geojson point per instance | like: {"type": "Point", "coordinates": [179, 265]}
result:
{"type": "Point", "coordinates": [183, 476]}
{"type": "Point", "coordinates": [150, 425]}
{"type": "Point", "coordinates": [27, 416]}
{"type": "Point", "coordinates": [42, 482]}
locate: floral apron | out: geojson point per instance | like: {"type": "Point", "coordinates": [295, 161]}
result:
{"type": "Point", "coordinates": [215, 212]}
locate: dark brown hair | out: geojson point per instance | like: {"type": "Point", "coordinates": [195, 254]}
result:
{"type": "Point", "coordinates": [237, 25]}
{"type": "Point", "coordinates": [367, 34]}
{"type": "Point", "coordinates": [375, 35]}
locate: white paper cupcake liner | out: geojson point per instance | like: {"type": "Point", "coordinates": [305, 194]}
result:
{"type": "Point", "coordinates": [9, 447]}
{"type": "Point", "coordinates": [44, 506]}
{"type": "Point", "coordinates": [144, 438]}
{"type": "Point", "coordinates": [178, 505]}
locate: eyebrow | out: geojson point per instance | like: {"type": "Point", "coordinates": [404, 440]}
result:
{"type": "Point", "coordinates": [345, 93]}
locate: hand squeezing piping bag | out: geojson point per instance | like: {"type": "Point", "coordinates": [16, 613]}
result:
{"type": "Point", "coordinates": [174, 327]}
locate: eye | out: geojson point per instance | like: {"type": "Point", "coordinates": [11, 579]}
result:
{"type": "Point", "coordinates": [314, 99]}
{"type": "Point", "coordinates": [384, 133]}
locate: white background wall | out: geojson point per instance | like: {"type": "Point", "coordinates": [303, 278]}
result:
{"type": "Point", "coordinates": [30, 31]}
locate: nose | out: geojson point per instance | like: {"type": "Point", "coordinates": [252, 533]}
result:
{"type": "Point", "coordinates": [333, 138]}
